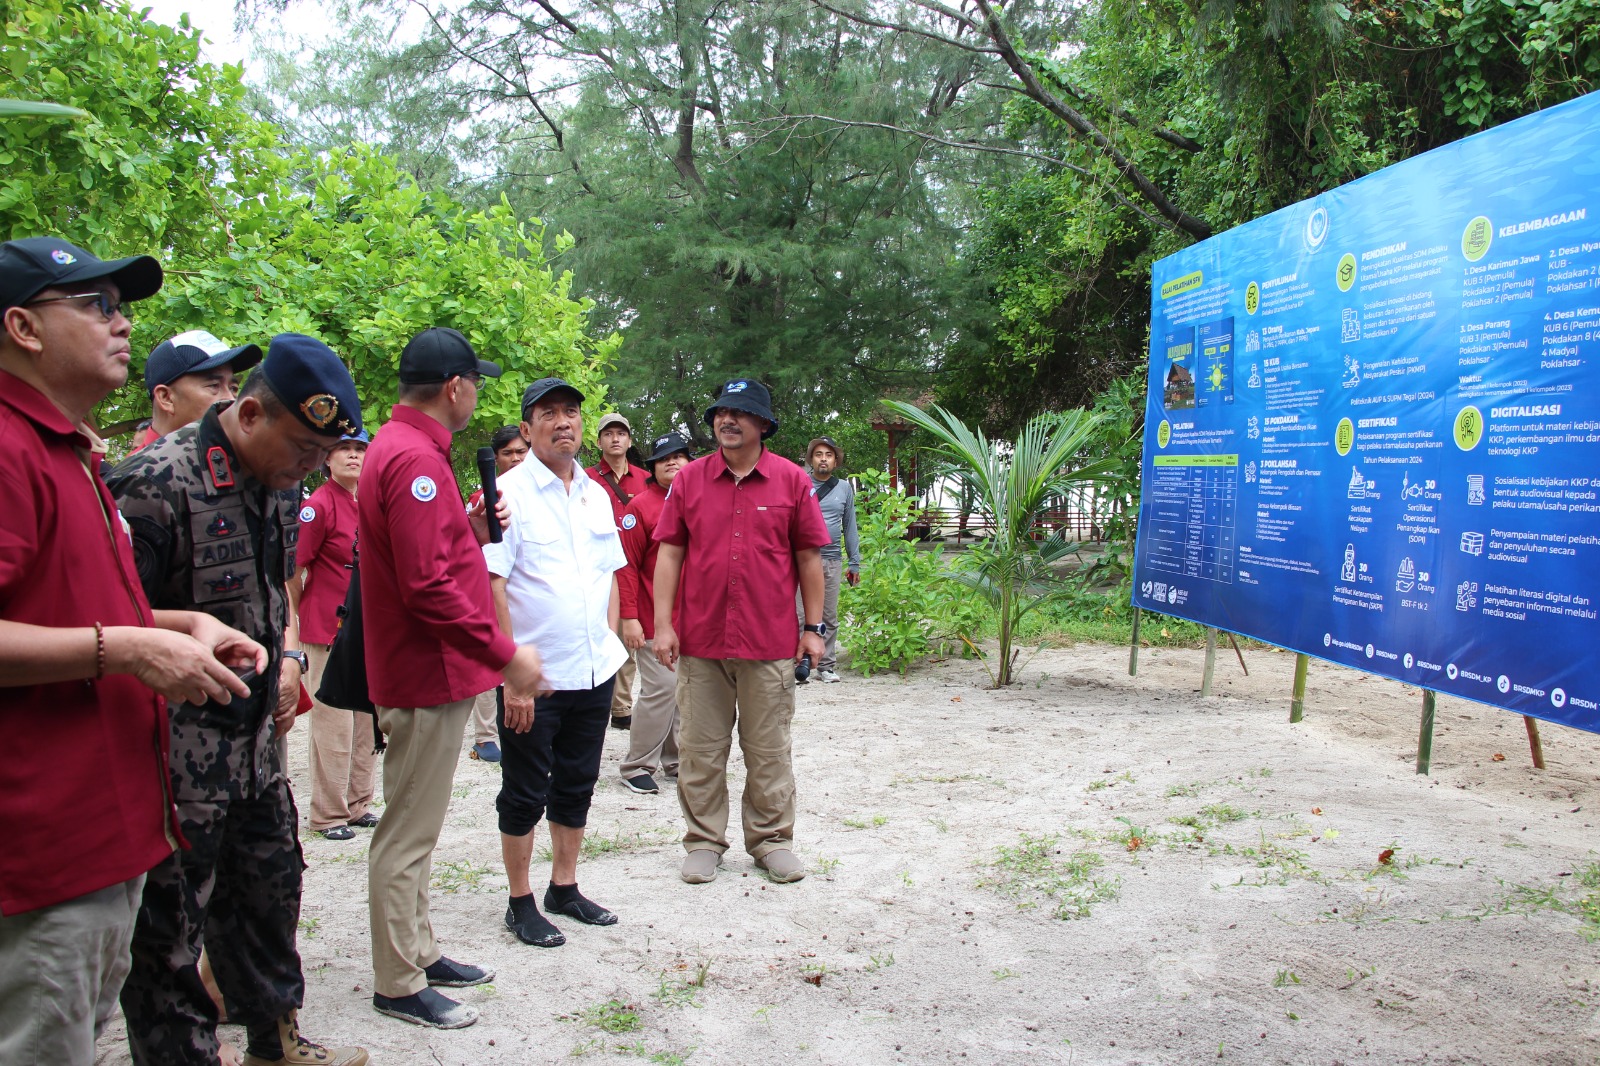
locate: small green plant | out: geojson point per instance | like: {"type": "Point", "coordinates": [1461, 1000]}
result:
{"type": "Point", "coordinates": [875, 822]}
{"type": "Point", "coordinates": [1222, 813]}
{"type": "Point", "coordinates": [1005, 973]}
{"type": "Point", "coordinates": [905, 878]}
{"type": "Point", "coordinates": [940, 824]}
{"type": "Point", "coordinates": [612, 1016]}
{"type": "Point", "coordinates": [308, 926]}
{"type": "Point", "coordinates": [1284, 979]}
{"type": "Point", "coordinates": [1036, 873]}
{"type": "Point", "coordinates": [1109, 782]}
{"type": "Point", "coordinates": [1175, 791]}
{"type": "Point", "coordinates": [1131, 837]}
{"type": "Point", "coordinates": [459, 876]}
{"type": "Point", "coordinates": [880, 962]}
{"type": "Point", "coordinates": [825, 867]}
{"type": "Point", "coordinates": [1582, 902]}
{"type": "Point", "coordinates": [671, 993]}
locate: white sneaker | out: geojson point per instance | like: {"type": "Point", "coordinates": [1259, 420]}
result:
{"type": "Point", "coordinates": [829, 676]}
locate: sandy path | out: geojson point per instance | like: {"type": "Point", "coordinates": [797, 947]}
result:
{"type": "Point", "coordinates": [1275, 937]}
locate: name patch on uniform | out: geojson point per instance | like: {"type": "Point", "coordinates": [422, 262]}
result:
{"type": "Point", "coordinates": [424, 489]}
{"type": "Point", "coordinates": [629, 521]}
{"type": "Point", "coordinates": [308, 513]}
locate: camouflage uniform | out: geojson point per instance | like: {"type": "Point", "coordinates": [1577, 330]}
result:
{"type": "Point", "coordinates": [208, 537]}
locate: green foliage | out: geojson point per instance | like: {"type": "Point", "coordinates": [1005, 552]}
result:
{"type": "Point", "coordinates": [1036, 873]}
{"type": "Point", "coordinates": [162, 131]}
{"type": "Point", "coordinates": [905, 600]}
{"type": "Point", "coordinates": [341, 244]}
{"type": "Point", "coordinates": [347, 248]}
{"type": "Point", "coordinates": [1012, 485]}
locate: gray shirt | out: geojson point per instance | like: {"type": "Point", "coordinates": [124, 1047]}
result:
{"type": "Point", "coordinates": [839, 511]}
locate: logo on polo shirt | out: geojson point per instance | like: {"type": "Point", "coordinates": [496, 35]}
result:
{"type": "Point", "coordinates": [629, 521]}
{"type": "Point", "coordinates": [424, 489]}
{"type": "Point", "coordinates": [308, 513]}
{"type": "Point", "coordinates": [62, 257]}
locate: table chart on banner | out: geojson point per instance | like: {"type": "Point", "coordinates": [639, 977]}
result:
{"type": "Point", "coordinates": [1195, 528]}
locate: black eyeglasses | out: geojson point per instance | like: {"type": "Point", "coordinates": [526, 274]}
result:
{"type": "Point", "coordinates": [474, 377]}
{"type": "Point", "coordinates": [109, 308]}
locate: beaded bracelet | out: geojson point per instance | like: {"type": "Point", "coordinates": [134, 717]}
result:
{"type": "Point", "coordinates": [99, 651]}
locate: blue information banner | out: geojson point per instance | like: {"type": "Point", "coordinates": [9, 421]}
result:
{"type": "Point", "coordinates": [1368, 437]}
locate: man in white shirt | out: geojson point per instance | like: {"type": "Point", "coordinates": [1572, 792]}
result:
{"type": "Point", "coordinates": [554, 588]}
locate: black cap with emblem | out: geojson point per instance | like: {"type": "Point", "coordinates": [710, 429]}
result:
{"type": "Point", "coordinates": [34, 263]}
{"type": "Point", "coordinates": [313, 384]}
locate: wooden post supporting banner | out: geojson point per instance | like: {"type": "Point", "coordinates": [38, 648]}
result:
{"type": "Point", "coordinates": [1425, 734]}
{"type": "Point", "coordinates": [1297, 702]}
{"type": "Point", "coordinates": [1211, 660]}
{"type": "Point", "coordinates": [1535, 745]}
{"type": "Point", "coordinates": [1133, 652]}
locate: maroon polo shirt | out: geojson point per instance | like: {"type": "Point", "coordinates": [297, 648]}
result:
{"type": "Point", "coordinates": [83, 784]}
{"type": "Point", "coordinates": [739, 565]}
{"type": "Point", "coordinates": [636, 582]}
{"type": "Point", "coordinates": [327, 541]}
{"type": "Point", "coordinates": [632, 483]}
{"type": "Point", "coordinates": [431, 632]}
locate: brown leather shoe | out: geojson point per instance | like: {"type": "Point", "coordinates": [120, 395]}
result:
{"type": "Point", "coordinates": [298, 1051]}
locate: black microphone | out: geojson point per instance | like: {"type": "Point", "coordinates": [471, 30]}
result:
{"type": "Point", "coordinates": [491, 494]}
{"type": "Point", "coordinates": [802, 669]}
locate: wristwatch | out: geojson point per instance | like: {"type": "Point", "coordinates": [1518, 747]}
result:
{"type": "Point", "coordinates": [299, 657]}
{"type": "Point", "coordinates": [820, 629]}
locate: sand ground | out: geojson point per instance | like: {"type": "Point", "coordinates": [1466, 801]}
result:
{"type": "Point", "coordinates": [1086, 868]}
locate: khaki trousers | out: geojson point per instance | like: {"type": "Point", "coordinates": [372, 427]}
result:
{"type": "Point", "coordinates": [653, 737]}
{"type": "Point", "coordinates": [484, 726]}
{"type": "Point", "coordinates": [61, 969]}
{"type": "Point", "coordinates": [344, 768]}
{"type": "Point", "coordinates": [832, 576]}
{"type": "Point", "coordinates": [419, 767]}
{"type": "Point", "coordinates": [622, 694]}
{"type": "Point", "coordinates": [758, 695]}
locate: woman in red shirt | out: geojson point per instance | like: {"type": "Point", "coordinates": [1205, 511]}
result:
{"type": "Point", "coordinates": [343, 765]}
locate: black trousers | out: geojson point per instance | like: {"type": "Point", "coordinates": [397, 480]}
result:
{"type": "Point", "coordinates": [238, 886]}
{"type": "Point", "coordinates": [552, 768]}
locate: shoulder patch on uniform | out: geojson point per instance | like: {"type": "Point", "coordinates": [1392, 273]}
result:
{"type": "Point", "coordinates": [308, 513]}
{"type": "Point", "coordinates": [629, 521]}
{"type": "Point", "coordinates": [424, 489]}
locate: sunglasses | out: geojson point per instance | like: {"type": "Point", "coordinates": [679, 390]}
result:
{"type": "Point", "coordinates": [109, 308]}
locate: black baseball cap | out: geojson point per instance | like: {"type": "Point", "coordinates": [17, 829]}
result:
{"type": "Point", "coordinates": [439, 354]}
{"type": "Point", "coordinates": [35, 263]}
{"type": "Point", "coordinates": [542, 388]}
{"type": "Point", "coordinates": [313, 384]}
{"type": "Point", "coordinates": [191, 353]}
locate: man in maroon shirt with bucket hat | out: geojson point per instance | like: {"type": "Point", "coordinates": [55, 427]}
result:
{"type": "Point", "coordinates": [84, 661]}
{"type": "Point", "coordinates": [741, 528]}
{"type": "Point", "coordinates": [425, 588]}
